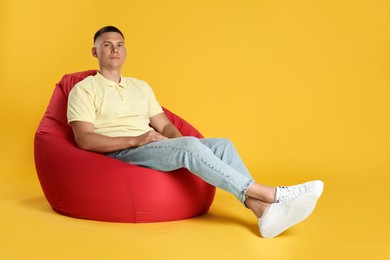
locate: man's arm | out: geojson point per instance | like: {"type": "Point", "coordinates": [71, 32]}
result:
{"type": "Point", "coordinates": [161, 124]}
{"type": "Point", "coordinates": [87, 139]}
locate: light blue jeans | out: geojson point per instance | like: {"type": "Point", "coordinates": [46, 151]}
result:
{"type": "Point", "coordinates": [215, 160]}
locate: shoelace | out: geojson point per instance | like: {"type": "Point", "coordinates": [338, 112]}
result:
{"type": "Point", "coordinates": [290, 193]}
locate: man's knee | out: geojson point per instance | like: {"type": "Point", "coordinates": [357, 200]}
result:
{"type": "Point", "coordinates": [224, 142]}
{"type": "Point", "coordinates": [189, 142]}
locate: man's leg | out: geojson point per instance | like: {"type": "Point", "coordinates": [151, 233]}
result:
{"type": "Point", "coordinates": [216, 162]}
{"type": "Point", "coordinates": [293, 204]}
{"type": "Point", "coordinates": [225, 150]}
{"type": "Point", "coordinates": [192, 154]}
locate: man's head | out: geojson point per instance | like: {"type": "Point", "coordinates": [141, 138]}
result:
{"type": "Point", "coordinates": [109, 48]}
{"type": "Point", "coordinates": [105, 30]}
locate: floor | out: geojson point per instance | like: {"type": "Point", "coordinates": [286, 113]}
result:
{"type": "Point", "coordinates": [350, 222]}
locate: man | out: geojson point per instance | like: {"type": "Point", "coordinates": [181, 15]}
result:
{"type": "Point", "coordinates": [121, 118]}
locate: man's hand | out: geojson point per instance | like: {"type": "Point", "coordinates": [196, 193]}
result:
{"type": "Point", "coordinates": [87, 139]}
{"type": "Point", "coordinates": [148, 137]}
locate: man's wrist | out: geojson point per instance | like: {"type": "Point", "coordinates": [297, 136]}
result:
{"type": "Point", "coordinates": [129, 142]}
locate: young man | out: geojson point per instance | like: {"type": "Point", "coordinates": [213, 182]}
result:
{"type": "Point", "coordinates": [121, 118]}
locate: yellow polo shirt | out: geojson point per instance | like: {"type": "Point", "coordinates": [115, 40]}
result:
{"type": "Point", "coordinates": [114, 109]}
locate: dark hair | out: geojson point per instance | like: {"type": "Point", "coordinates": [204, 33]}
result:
{"type": "Point", "coordinates": [106, 29]}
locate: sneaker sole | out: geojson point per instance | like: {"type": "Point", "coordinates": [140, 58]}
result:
{"type": "Point", "coordinates": [300, 209]}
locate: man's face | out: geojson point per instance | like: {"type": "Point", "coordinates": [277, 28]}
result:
{"type": "Point", "coordinates": [110, 50]}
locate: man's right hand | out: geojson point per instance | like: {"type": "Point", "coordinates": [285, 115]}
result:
{"type": "Point", "coordinates": [87, 139]}
{"type": "Point", "coordinates": [148, 137]}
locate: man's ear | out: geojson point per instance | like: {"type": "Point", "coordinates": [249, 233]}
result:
{"type": "Point", "coordinates": [94, 52]}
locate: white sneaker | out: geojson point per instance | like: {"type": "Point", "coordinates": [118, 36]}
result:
{"type": "Point", "coordinates": [282, 215]}
{"type": "Point", "coordinates": [291, 192]}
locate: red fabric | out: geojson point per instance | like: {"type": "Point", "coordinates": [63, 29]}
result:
{"type": "Point", "coordinates": [89, 185]}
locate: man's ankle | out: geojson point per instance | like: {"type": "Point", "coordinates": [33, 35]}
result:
{"type": "Point", "coordinates": [258, 207]}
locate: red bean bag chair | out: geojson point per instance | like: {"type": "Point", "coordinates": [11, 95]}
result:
{"type": "Point", "coordinates": [88, 185]}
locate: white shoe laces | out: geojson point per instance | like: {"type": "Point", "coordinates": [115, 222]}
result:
{"type": "Point", "coordinates": [289, 193]}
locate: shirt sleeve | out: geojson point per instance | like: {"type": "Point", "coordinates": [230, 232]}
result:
{"type": "Point", "coordinates": [81, 105]}
{"type": "Point", "coordinates": [154, 106]}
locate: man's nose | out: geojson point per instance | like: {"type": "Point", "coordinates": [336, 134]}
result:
{"type": "Point", "coordinates": [114, 49]}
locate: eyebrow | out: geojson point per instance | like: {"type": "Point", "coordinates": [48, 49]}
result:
{"type": "Point", "coordinates": [112, 42]}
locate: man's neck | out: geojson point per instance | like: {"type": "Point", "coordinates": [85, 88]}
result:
{"type": "Point", "coordinates": [114, 75]}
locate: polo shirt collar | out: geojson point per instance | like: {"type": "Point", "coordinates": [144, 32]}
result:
{"type": "Point", "coordinates": [109, 82]}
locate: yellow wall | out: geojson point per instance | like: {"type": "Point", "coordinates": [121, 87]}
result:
{"type": "Point", "coordinates": [299, 86]}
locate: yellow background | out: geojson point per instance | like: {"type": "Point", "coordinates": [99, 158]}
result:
{"type": "Point", "coordinates": [301, 87]}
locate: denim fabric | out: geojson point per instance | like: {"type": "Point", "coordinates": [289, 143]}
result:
{"type": "Point", "coordinates": [215, 160]}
